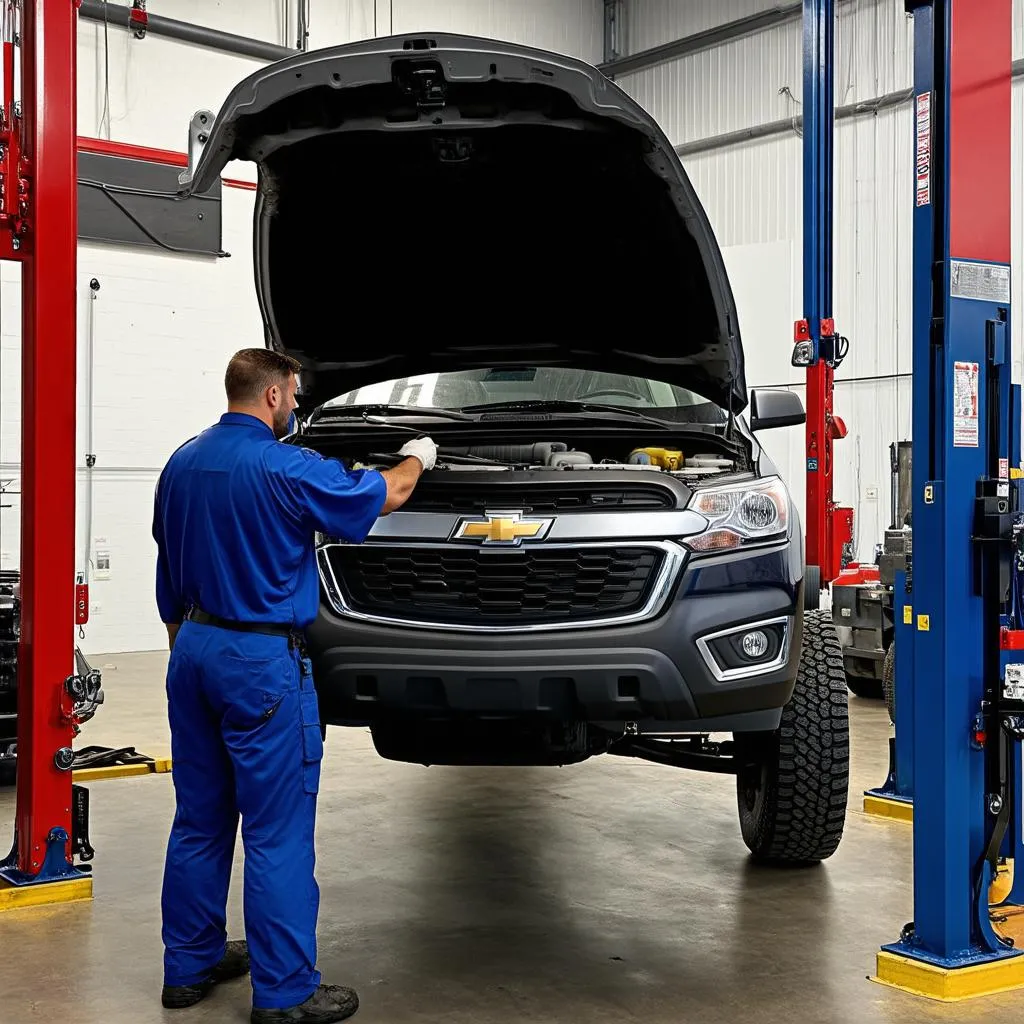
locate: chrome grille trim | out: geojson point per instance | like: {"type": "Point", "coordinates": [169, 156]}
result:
{"type": "Point", "coordinates": [580, 526]}
{"type": "Point", "coordinates": [668, 572]}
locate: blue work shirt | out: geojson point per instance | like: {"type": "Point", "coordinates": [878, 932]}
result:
{"type": "Point", "coordinates": [234, 521]}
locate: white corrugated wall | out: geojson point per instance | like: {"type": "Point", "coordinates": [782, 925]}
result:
{"type": "Point", "coordinates": [752, 192]}
{"type": "Point", "coordinates": [167, 324]}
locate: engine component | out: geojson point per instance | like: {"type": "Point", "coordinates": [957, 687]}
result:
{"type": "Point", "coordinates": [716, 462]}
{"type": "Point", "coordinates": [664, 458]}
{"type": "Point", "coordinates": [570, 460]}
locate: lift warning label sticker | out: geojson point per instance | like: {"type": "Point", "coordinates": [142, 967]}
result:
{"type": "Point", "coordinates": [1013, 682]}
{"type": "Point", "coordinates": [986, 282]}
{"type": "Point", "coordinates": [965, 405]}
{"type": "Point", "coordinates": [924, 149]}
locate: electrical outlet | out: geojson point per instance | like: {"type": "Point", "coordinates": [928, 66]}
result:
{"type": "Point", "coordinates": [102, 563]}
{"type": "Point", "coordinates": [871, 493]}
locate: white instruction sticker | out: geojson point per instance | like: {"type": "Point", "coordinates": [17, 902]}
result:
{"type": "Point", "coordinates": [986, 282]}
{"type": "Point", "coordinates": [1004, 469]}
{"type": "Point", "coordinates": [1013, 682]}
{"type": "Point", "coordinates": [965, 405]}
{"type": "Point", "coordinates": [924, 149]}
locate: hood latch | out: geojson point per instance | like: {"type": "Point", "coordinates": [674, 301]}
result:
{"type": "Point", "coordinates": [423, 80]}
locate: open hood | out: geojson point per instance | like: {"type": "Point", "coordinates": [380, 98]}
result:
{"type": "Point", "coordinates": [442, 202]}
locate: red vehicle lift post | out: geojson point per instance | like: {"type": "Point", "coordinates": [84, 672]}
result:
{"type": "Point", "coordinates": [38, 229]}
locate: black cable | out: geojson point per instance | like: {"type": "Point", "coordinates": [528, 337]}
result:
{"type": "Point", "coordinates": [127, 190]}
{"type": "Point", "coordinates": [304, 11]}
{"type": "Point", "coordinates": [108, 191]}
{"type": "Point", "coordinates": [106, 70]}
{"type": "Point", "coordinates": [842, 380]}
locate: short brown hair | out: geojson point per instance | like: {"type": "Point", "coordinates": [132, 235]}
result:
{"type": "Point", "coordinates": [253, 370]}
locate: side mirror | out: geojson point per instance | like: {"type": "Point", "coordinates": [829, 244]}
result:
{"type": "Point", "coordinates": [770, 409]}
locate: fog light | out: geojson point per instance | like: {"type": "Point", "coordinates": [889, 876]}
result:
{"type": "Point", "coordinates": [755, 644]}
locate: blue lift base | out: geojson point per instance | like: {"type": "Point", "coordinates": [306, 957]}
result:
{"type": "Point", "coordinates": [55, 866]}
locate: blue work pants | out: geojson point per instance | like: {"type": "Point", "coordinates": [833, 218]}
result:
{"type": "Point", "coordinates": [245, 739]}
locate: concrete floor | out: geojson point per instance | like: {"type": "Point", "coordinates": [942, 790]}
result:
{"type": "Point", "coordinates": [610, 891]}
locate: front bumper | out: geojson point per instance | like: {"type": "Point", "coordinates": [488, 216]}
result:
{"type": "Point", "coordinates": [650, 672]}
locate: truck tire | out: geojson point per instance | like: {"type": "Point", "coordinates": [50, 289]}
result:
{"type": "Point", "coordinates": [889, 680]}
{"type": "Point", "coordinates": [867, 689]}
{"type": "Point", "coordinates": [792, 784]}
{"type": "Point", "coordinates": [812, 588]}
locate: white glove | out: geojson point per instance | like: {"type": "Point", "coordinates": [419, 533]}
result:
{"type": "Point", "coordinates": [423, 449]}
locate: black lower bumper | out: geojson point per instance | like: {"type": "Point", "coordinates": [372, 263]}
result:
{"type": "Point", "coordinates": [653, 672]}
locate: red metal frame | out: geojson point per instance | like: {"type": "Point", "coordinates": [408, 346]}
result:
{"type": "Point", "coordinates": [829, 527]}
{"type": "Point", "coordinates": [156, 156]}
{"type": "Point", "coordinates": [38, 227]}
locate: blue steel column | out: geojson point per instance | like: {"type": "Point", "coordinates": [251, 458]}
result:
{"type": "Point", "coordinates": [818, 164]}
{"type": "Point", "coordinates": [959, 159]}
{"type": "Point", "coordinates": [818, 187]}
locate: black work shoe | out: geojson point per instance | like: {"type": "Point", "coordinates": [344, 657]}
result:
{"type": "Point", "coordinates": [328, 1004]}
{"type": "Point", "coordinates": [234, 964]}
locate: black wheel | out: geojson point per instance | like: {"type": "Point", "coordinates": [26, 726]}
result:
{"type": "Point", "coordinates": [793, 783]}
{"type": "Point", "coordinates": [869, 689]}
{"type": "Point", "coordinates": [889, 681]}
{"type": "Point", "coordinates": [812, 588]}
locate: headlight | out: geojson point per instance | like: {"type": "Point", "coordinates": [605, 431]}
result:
{"type": "Point", "coordinates": [741, 514]}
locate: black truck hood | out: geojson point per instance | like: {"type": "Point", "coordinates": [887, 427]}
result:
{"type": "Point", "coordinates": [441, 202]}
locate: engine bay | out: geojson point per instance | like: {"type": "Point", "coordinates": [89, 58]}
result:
{"type": "Point", "coordinates": [558, 456]}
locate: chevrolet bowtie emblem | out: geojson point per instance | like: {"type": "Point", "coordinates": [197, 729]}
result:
{"type": "Point", "coordinates": [508, 528]}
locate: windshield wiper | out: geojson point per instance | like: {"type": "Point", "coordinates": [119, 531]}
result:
{"type": "Point", "coordinates": [371, 413]}
{"type": "Point", "coordinates": [566, 406]}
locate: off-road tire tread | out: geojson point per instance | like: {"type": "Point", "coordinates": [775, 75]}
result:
{"type": "Point", "coordinates": [803, 814]}
{"type": "Point", "coordinates": [889, 681]}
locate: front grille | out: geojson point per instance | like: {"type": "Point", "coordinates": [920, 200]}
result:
{"type": "Point", "coordinates": [475, 587]}
{"type": "Point", "coordinates": [564, 498]}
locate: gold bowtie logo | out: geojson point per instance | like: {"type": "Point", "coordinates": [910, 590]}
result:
{"type": "Point", "coordinates": [508, 528]}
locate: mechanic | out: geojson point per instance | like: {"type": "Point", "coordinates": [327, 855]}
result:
{"type": "Point", "coordinates": [236, 585]}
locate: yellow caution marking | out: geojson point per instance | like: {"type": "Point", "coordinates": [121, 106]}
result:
{"type": "Point", "coordinates": [19, 897]}
{"type": "Point", "coordinates": [908, 615]}
{"type": "Point", "coordinates": [924, 623]}
{"type": "Point", "coordinates": [114, 771]}
{"type": "Point", "coordinates": [1000, 889]}
{"type": "Point", "coordinates": [946, 984]}
{"type": "Point", "coordinates": [1016, 473]}
{"type": "Point", "coordinates": [158, 766]}
{"type": "Point", "coordinates": [894, 810]}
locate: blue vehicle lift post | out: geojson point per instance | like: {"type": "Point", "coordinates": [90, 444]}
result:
{"type": "Point", "coordinates": [967, 664]}
{"type": "Point", "coordinates": [817, 346]}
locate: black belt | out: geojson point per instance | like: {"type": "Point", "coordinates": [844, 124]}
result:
{"type": "Point", "coordinates": [289, 632]}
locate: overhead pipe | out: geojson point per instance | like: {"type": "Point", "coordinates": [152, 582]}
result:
{"type": "Point", "coordinates": [677, 48]}
{"type": "Point", "coordinates": [186, 32]}
{"type": "Point", "coordinates": [784, 125]}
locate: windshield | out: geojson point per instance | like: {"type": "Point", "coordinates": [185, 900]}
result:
{"type": "Point", "coordinates": [498, 386]}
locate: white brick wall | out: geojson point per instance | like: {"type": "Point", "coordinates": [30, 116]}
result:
{"type": "Point", "coordinates": [165, 325]}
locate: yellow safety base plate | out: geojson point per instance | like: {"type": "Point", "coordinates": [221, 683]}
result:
{"type": "Point", "coordinates": [894, 810]}
{"type": "Point", "coordinates": [18, 897]}
{"type": "Point", "coordinates": [949, 985]}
